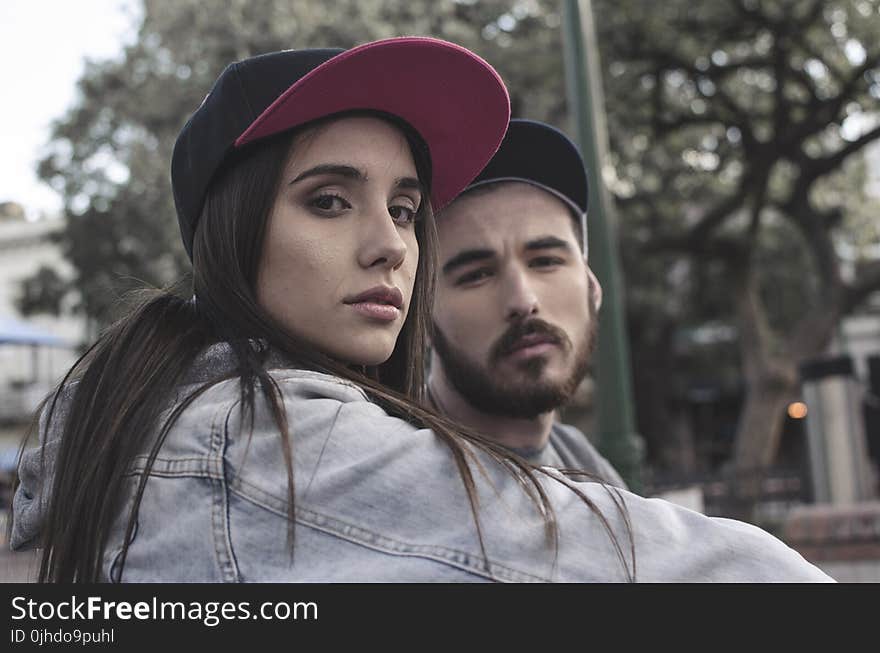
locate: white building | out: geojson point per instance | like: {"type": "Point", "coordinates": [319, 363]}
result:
{"type": "Point", "coordinates": [28, 372]}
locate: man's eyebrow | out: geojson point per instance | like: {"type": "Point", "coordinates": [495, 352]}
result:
{"type": "Point", "coordinates": [350, 172]}
{"type": "Point", "coordinates": [465, 257]}
{"type": "Point", "coordinates": [547, 242]}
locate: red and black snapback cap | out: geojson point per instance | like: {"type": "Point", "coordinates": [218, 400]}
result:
{"type": "Point", "coordinates": [452, 98]}
{"type": "Point", "coordinates": [539, 154]}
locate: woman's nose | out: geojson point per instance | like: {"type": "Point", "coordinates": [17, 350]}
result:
{"type": "Point", "coordinates": [381, 242]}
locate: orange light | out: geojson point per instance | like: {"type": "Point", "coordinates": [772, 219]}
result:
{"type": "Point", "coordinates": [797, 410]}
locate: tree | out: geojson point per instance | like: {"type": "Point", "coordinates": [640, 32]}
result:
{"type": "Point", "coordinates": [736, 127]}
{"type": "Point", "coordinates": [109, 155]}
{"type": "Point", "coordinates": [730, 121]}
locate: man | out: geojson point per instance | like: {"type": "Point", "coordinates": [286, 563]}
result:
{"type": "Point", "coordinates": [515, 312]}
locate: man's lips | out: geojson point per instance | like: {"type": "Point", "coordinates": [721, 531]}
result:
{"type": "Point", "coordinates": [531, 345]}
{"type": "Point", "coordinates": [525, 340]}
{"type": "Point", "coordinates": [533, 339]}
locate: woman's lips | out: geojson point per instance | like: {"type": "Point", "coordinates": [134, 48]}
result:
{"type": "Point", "coordinates": [376, 311]}
{"type": "Point", "coordinates": [382, 303]}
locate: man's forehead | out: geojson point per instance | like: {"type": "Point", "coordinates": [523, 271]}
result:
{"type": "Point", "coordinates": [504, 214]}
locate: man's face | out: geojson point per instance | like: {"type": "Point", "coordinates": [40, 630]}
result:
{"type": "Point", "coordinates": [515, 312]}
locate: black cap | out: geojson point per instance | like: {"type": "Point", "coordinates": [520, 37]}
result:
{"type": "Point", "coordinates": [241, 93]}
{"type": "Point", "coordinates": [452, 98]}
{"type": "Point", "coordinates": [539, 154]}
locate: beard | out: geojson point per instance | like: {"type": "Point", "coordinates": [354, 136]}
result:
{"type": "Point", "coordinates": [528, 394]}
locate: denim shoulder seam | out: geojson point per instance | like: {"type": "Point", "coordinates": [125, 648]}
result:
{"type": "Point", "coordinates": [305, 492]}
{"type": "Point", "coordinates": [294, 375]}
{"type": "Point", "coordinates": [220, 505]}
{"type": "Point", "coordinates": [196, 466]}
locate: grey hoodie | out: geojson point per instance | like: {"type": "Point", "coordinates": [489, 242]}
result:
{"type": "Point", "coordinates": [380, 500]}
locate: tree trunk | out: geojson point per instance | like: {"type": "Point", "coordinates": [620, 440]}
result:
{"type": "Point", "coordinates": [759, 433]}
{"type": "Point", "coordinates": [761, 419]}
{"type": "Point", "coordinates": [660, 421]}
{"type": "Point", "coordinates": [771, 381]}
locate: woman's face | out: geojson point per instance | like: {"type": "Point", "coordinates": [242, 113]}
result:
{"type": "Point", "coordinates": [340, 252]}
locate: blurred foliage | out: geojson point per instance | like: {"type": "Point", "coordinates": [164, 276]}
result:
{"type": "Point", "coordinates": [44, 291]}
{"type": "Point", "coordinates": [733, 125]}
{"type": "Point", "coordinates": [737, 129]}
{"type": "Point", "coordinates": [108, 156]}
{"type": "Point", "coordinates": [726, 116]}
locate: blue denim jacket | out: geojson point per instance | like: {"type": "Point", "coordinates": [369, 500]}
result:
{"type": "Point", "coordinates": [379, 500]}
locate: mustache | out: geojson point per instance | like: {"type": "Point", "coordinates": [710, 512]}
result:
{"type": "Point", "coordinates": [518, 330]}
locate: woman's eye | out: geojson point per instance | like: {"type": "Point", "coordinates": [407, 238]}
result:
{"type": "Point", "coordinates": [402, 214]}
{"type": "Point", "coordinates": [329, 203]}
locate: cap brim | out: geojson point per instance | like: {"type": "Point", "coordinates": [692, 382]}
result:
{"type": "Point", "coordinates": [454, 99]}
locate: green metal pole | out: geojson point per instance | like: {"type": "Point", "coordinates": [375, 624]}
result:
{"type": "Point", "coordinates": [618, 440]}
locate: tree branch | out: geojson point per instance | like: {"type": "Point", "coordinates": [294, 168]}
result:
{"type": "Point", "coordinates": [752, 324]}
{"type": "Point", "coordinates": [813, 168]}
{"type": "Point", "coordinates": [813, 332]}
{"type": "Point", "coordinates": [867, 283]}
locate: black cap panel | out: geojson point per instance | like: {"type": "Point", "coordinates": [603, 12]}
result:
{"type": "Point", "coordinates": [241, 93]}
{"type": "Point", "coordinates": [538, 152]}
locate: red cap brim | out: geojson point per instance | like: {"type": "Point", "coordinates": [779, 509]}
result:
{"type": "Point", "coordinates": [454, 99]}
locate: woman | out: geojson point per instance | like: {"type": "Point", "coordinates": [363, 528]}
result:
{"type": "Point", "coordinates": [270, 428]}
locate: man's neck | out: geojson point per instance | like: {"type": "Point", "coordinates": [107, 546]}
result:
{"type": "Point", "coordinates": [511, 432]}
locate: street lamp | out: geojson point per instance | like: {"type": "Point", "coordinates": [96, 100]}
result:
{"type": "Point", "coordinates": [616, 424]}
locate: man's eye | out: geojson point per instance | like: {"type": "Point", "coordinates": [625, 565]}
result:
{"type": "Point", "coordinates": [329, 203]}
{"type": "Point", "coordinates": [545, 261]}
{"type": "Point", "coordinates": [473, 276]}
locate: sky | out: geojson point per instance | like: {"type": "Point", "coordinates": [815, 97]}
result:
{"type": "Point", "coordinates": [43, 46]}
{"type": "Point", "coordinates": [54, 37]}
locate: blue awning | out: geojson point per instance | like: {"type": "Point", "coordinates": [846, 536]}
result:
{"type": "Point", "coordinates": [14, 331]}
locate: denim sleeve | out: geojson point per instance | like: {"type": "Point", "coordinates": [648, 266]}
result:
{"type": "Point", "coordinates": [35, 475]}
{"type": "Point", "coordinates": [181, 530]}
{"type": "Point", "coordinates": [379, 499]}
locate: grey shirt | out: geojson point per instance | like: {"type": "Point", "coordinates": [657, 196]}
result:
{"type": "Point", "coordinates": [569, 448]}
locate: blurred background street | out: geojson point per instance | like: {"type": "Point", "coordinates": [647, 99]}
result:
{"type": "Point", "coordinates": [738, 146]}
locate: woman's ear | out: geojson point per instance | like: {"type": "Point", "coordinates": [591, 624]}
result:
{"type": "Point", "coordinates": [595, 290]}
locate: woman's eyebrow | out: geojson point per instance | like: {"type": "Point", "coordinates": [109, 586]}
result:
{"type": "Point", "coordinates": [339, 169]}
{"type": "Point", "coordinates": [350, 172]}
{"type": "Point", "coordinates": [410, 182]}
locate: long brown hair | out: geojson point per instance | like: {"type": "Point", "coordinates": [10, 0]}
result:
{"type": "Point", "coordinates": [114, 396]}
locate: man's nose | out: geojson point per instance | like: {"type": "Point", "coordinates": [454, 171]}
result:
{"type": "Point", "coordinates": [521, 300]}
